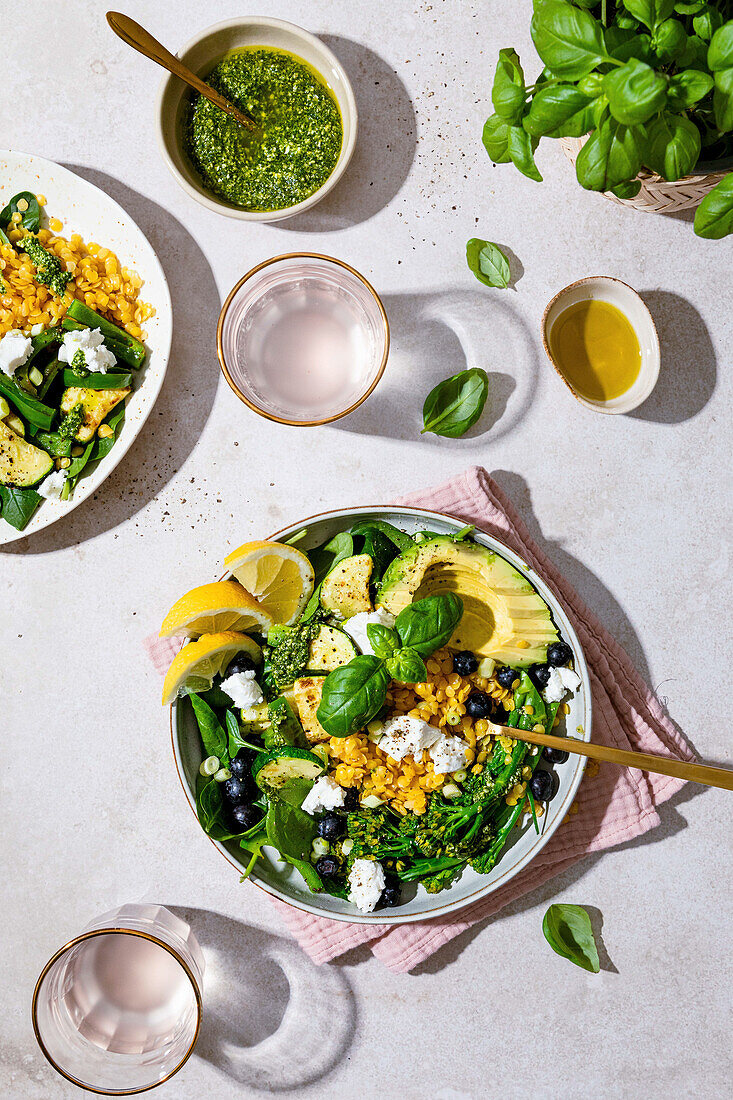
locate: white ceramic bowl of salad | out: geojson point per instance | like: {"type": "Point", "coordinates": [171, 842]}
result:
{"type": "Point", "coordinates": [282, 881]}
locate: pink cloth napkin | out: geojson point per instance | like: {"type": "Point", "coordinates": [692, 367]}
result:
{"type": "Point", "coordinates": [612, 806]}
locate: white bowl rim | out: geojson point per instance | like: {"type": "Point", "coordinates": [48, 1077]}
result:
{"type": "Point", "coordinates": [150, 386]}
{"type": "Point", "coordinates": [381, 917]}
{"type": "Point", "coordinates": [219, 206]}
{"type": "Point", "coordinates": [653, 368]}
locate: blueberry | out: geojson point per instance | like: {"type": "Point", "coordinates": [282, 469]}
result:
{"type": "Point", "coordinates": [559, 653]}
{"type": "Point", "coordinates": [241, 764]}
{"type": "Point", "coordinates": [351, 799]}
{"type": "Point", "coordinates": [241, 663]}
{"type": "Point", "coordinates": [331, 827]}
{"type": "Point", "coordinates": [235, 790]}
{"type": "Point", "coordinates": [326, 866]}
{"type": "Point", "coordinates": [390, 896]}
{"type": "Point", "coordinates": [506, 676]}
{"type": "Point", "coordinates": [539, 675]}
{"type": "Point", "coordinates": [479, 705]}
{"type": "Point", "coordinates": [465, 662]}
{"type": "Point", "coordinates": [245, 815]}
{"type": "Point", "coordinates": [556, 756]}
{"type": "Point", "coordinates": [543, 786]}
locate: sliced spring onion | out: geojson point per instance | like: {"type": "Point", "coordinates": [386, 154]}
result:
{"type": "Point", "coordinates": [209, 766]}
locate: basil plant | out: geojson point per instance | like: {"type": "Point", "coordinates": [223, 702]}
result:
{"type": "Point", "coordinates": [650, 82]}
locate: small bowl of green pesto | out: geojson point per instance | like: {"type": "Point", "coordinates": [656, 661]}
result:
{"type": "Point", "coordinates": [301, 100]}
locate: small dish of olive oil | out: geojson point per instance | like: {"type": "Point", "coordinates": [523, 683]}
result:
{"type": "Point", "coordinates": [602, 341]}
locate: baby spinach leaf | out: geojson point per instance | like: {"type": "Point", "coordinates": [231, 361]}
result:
{"type": "Point", "coordinates": [426, 625]}
{"type": "Point", "coordinates": [559, 110]}
{"type": "Point", "coordinates": [384, 641]}
{"type": "Point", "coordinates": [673, 146]}
{"type": "Point", "coordinates": [209, 805]}
{"type": "Point", "coordinates": [635, 92]}
{"type": "Point", "coordinates": [401, 540]}
{"type": "Point", "coordinates": [212, 733]}
{"type": "Point", "coordinates": [568, 39]}
{"type": "Point", "coordinates": [352, 695]}
{"type": "Point", "coordinates": [568, 931]}
{"type": "Point", "coordinates": [407, 667]}
{"type": "Point", "coordinates": [290, 830]}
{"type": "Point", "coordinates": [456, 403]}
{"type": "Point", "coordinates": [488, 263]}
{"type": "Point", "coordinates": [650, 12]}
{"type": "Point", "coordinates": [687, 88]}
{"type": "Point", "coordinates": [609, 157]}
{"type": "Point", "coordinates": [18, 505]}
{"type": "Point", "coordinates": [30, 218]}
{"type": "Point", "coordinates": [496, 139]}
{"type": "Point", "coordinates": [508, 91]}
{"type": "Point", "coordinates": [714, 215]}
{"type": "Point", "coordinates": [521, 152]}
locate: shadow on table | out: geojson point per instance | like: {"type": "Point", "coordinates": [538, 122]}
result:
{"type": "Point", "coordinates": [435, 335]}
{"type": "Point", "coordinates": [185, 401]}
{"type": "Point", "coordinates": [273, 1020]}
{"type": "Point", "coordinates": [385, 146]}
{"type": "Point", "coordinates": [688, 372]}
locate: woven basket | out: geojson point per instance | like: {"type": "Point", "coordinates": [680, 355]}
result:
{"type": "Point", "coordinates": [657, 195]}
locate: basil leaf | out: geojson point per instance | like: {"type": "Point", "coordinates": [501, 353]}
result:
{"type": "Point", "coordinates": [456, 403]}
{"type": "Point", "coordinates": [631, 45]}
{"type": "Point", "coordinates": [568, 39]}
{"type": "Point", "coordinates": [18, 505]}
{"type": "Point", "coordinates": [707, 24]}
{"type": "Point", "coordinates": [720, 53]}
{"type": "Point", "coordinates": [212, 733]}
{"type": "Point", "coordinates": [714, 215]}
{"type": "Point", "coordinates": [628, 190]}
{"type": "Point", "coordinates": [496, 139]}
{"type": "Point", "coordinates": [687, 88]}
{"type": "Point", "coordinates": [520, 148]}
{"type": "Point", "coordinates": [384, 641]}
{"type": "Point", "coordinates": [407, 667]}
{"type": "Point", "coordinates": [650, 12]}
{"type": "Point", "coordinates": [689, 7]}
{"type": "Point", "coordinates": [673, 146]}
{"type": "Point", "coordinates": [723, 100]}
{"type": "Point", "coordinates": [560, 110]}
{"type": "Point", "coordinates": [635, 92]}
{"type": "Point", "coordinates": [29, 218]}
{"type": "Point", "coordinates": [609, 157]}
{"type": "Point", "coordinates": [352, 695]}
{"type": "Point", "coordinates": [488, 263]}
{"type": "Point", "coordinates": [508, 91]}
{"type": "Point", "coordinates": [428, 624]}
{"type": "Point", "coordinates": [568, 930]}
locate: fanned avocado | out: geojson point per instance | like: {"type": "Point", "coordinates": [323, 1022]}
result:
{"type": "Point", "coordinates": [345, 590]}
{"type": "Point", "coordinates": [503, 616]}
{"type": "Point", "coordinates": [96, 404]}
{"type": "Point", "coordinates": [21, 464]}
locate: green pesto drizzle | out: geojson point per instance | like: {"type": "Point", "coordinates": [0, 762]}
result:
{"type": "Point", "coordinates": [300, 130]}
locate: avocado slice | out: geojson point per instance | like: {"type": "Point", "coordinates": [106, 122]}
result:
{"type": "Point", "coordinates": [95, 404]}
{"type": "Point", "coordinates": [503, 616]}
{"type": "Point", "coordinates": [345, 590]}
{"type": "Point", "coordinates": [21, 464]}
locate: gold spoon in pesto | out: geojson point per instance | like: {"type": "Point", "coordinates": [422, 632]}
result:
{"type": "Point", "coordinates": [137, 37]}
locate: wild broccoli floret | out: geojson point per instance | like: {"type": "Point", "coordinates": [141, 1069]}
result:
{"type": "Point", "coordinates": [442, 880]}
{"type": "Point", "coordinates": [379, 834]}
{"type": "Point", "coordinates": [49, 269]}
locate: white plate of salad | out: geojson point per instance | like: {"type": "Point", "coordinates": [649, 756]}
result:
{"type": "Point", "coordinates": [85, 335]}
{"type": "Point", "coordinates": [333, 706]}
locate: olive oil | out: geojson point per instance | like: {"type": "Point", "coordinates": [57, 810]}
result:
{"type": "Point", "coordinates": [596, 349]}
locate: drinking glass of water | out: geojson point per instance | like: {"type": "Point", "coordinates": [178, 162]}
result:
{"type": "Point", "coordinates": [117, 1010]}
{"type": "Point", "coordinates": [303, 339]}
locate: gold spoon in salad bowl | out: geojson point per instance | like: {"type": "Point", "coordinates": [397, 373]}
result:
{"type": "Point", "coordinates": [142, 41]}
{"type": "Point", "coordinates": [625, 758]}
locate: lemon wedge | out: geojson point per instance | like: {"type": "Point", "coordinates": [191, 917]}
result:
{"type": "Point", "coordinates": [279, 576]}
{"type": "Point", "coordinates": [211, 608]}
{"type": "Point", "coordinates": [198, 662]}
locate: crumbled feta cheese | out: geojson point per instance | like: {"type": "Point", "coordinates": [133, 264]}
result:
{"type": "Point", "coordinates": [366, 882]}
{"type": "Point", "coordinates": [325, 794]}
{"type": "Point", "coordinates": [14, 350]}
{"type": "Point", "coordinates": [89, 341]}
{"type": "Point", "coordinates": [356, 626]}
{"type": "Point", "coordinates": [448, 754]}
{"type": "Point", "coordinates": [406, 736]}
{"type": "Point", "coordinates": [52, 486]}
{"type": "Point", "coordinates": [562, 681]}
{"type": "Point", "coordinates": [243, 689]}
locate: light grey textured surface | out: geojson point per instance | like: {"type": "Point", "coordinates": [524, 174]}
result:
{"type": "Point", "coordinates": [633, 509]}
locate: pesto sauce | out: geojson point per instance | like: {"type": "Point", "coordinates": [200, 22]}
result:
{"type": "Point", "coordinates": [300, 130]}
